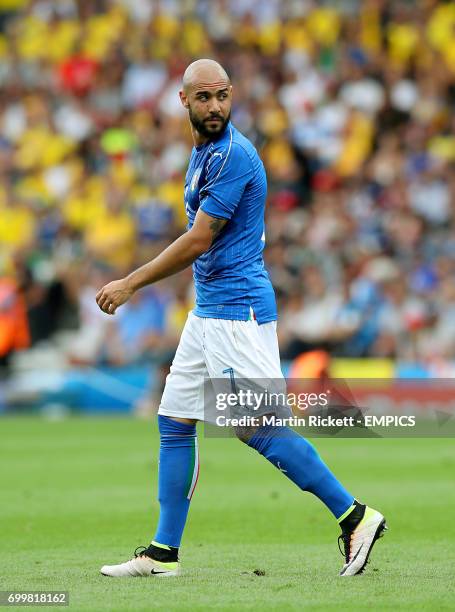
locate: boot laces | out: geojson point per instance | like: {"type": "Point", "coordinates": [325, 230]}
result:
{"type": "Point", "coordinates": [140, 551]}
{"type": "Point", "coordinates": [345, 540]}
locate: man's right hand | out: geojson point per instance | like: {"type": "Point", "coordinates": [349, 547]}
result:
{"type": "Point", "coordinates": [113, 295]}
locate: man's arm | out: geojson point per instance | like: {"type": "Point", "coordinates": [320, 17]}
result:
{"type": "Point", "coordinates": [178, 256]}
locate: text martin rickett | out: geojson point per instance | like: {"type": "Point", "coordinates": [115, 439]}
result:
{"type": "Point", "coordinates": [292, 421]}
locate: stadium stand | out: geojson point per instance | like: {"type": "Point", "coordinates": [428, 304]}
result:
{"type": "Point", "coordinates": [351, 105]}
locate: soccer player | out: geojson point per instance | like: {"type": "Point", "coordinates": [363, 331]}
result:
{"type": "Point", "coordinates": [230, 333]}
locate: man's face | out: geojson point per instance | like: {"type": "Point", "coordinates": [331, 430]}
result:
{"type": "Point", "coordinates": [209, 108]}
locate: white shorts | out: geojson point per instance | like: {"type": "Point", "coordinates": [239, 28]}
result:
{"type": "Point", "coordinates": [216, 349]}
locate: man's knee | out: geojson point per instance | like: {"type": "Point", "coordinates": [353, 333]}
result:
{"type": "Point", "coordinates": [247, 432]}
{"type": "Point", "coordinates": [244, 434]}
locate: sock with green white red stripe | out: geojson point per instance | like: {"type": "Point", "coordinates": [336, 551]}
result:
{"type": "Point", "coordinates": [178, 473]}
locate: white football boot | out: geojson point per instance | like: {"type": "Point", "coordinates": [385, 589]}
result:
{"type": "Point", "coordinates": [141, 565]}
{"type": "Point", "coordinates": [359, 541]}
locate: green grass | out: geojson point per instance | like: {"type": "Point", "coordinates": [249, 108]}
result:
{"type": "Point", "coordinates": [79, 493]}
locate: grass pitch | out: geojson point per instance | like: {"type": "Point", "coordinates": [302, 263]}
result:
{"type": "Point", "coordinates": [79, 493]}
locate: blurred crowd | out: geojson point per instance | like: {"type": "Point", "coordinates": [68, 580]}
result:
{"type": "Point", "coordinates": [351, 105]}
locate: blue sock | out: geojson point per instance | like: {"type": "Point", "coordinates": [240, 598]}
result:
{"type": "Point", "coordinates": [178, 474]}
{"type": "Point", "coordinates": [299, 461]}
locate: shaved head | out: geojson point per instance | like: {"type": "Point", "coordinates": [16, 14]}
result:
{"type": "Point", "coordinates": [207, 95]}
{"type": "Point", "coordinates": [204, 73]}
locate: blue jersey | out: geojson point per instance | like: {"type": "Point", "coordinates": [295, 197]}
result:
{"type": "Point", "coordinates": [226, 179]}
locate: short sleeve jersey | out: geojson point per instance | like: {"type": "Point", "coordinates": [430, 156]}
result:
{"type": "Point", "coordinates": [226, 179]}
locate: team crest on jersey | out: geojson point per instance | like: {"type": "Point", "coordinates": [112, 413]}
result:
{"type": "Point", "coordinates": [195, 178]}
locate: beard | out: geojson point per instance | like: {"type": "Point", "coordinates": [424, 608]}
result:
{"type": "Point", "coordinates": [204, 128]}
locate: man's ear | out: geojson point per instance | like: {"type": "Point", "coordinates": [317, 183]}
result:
{"type": "Point", "coordinates": [184, 99]}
